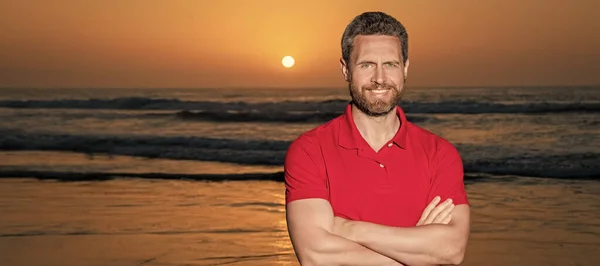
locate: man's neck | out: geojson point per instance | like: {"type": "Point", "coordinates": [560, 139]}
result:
{"type": "Point", "coordinates": [377, 131]}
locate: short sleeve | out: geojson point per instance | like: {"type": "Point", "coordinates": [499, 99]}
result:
{"type": "Point", "coordinates": [448, 175]}
{"type": "Point", "coordinates": [301, 171]}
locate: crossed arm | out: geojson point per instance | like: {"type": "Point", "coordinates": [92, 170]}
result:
{"type": "Point", "coordinates": [319, 238]}
{"type": "Point", "coordinates": [429, 244]}
{"type": "Point", "coordinates": [310, 224]}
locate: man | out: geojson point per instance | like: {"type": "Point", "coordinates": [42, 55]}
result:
{"type": "Point", "coordinates": [369, 187]}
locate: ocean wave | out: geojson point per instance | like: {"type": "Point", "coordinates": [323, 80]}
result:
{"type": "Point", "coordinates": [283, 117]}
{"type": "Point", "coordinates": [271, 117]}
{"type": "Point", "coordinates": [567, 166]}
{"type": "Point", "coordinates": [469, 178]}
{"type": "Point", "coordinates": [34, 233]}
{"type": "Point", "coordinates": [477, 159]}
{"type": "Point", "coordinates": [103, 176]}
{"type": "Point", "coordinates": [253, 152]}
{"type": "Point", "coordinates": [322, 107]}
{"type": "Point", "coordinates": [221, 116]}
{"type": "Point", "coordinates": [18, 140]}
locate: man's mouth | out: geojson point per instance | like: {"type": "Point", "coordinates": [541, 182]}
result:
{"type": "Point", "coordinates": [378, 91]}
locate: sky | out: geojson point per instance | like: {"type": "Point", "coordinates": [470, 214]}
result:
{"type": "Point", "coordinates": [239, 43]}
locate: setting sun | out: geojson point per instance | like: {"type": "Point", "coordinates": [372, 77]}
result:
{"type": "Point", "coordinates": [288, 61]}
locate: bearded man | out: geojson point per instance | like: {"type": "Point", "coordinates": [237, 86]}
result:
{"type": "Point", "coordinates": [370, 187]}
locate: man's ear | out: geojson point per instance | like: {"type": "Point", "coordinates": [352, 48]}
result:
{"type": "Point", "coordinates": [344, 67]}
{"type": "Point", "coordinates": [406, 69]}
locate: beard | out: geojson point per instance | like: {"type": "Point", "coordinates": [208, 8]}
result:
{"type": "Point", "coordinates": [375, 106]}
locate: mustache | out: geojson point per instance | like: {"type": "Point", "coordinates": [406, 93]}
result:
{"type": "Point", "coordinates": [379, 86]}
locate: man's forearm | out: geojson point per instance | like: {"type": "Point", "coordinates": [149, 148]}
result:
{"type": "Point", "coordinates": [423, 245]}
{"type": "Point", "coordinates": [335, 250]}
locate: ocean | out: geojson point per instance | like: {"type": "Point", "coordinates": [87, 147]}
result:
{"type": "Point", "coordinates": [193, 176]}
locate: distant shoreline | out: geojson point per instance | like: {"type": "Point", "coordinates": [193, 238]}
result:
{"type": "Point", "coordinates": [299, 88]}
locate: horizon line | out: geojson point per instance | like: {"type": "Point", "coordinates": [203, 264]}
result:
{"type": "Point", "coordinates": [301, 87]}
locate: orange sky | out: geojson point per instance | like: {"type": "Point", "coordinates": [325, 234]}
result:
{"type": "Point", "coordinates": [239, 43]}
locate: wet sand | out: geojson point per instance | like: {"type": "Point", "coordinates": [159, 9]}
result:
{"type": "Point", "coordinates": [154, 222]}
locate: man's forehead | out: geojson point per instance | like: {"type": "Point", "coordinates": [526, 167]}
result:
{"type": "Point", "coordinates": [377, 45]}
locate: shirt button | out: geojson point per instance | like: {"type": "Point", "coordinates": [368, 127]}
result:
{"type": "Point", "coordinates": [381, 165]}
{"type": "Point", "coordinates": [390, 145]}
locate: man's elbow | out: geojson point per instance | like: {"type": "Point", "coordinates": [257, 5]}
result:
{"type": "Point", "coordinates": [457, 256]}
{"type": "Point", "coordinates": [308, 258]}
{"type": "Point", "coordinates": [312, 258]}
{"type": "Point", "coordinates": [454, 254]}
{"type": "Point", "coordinates": [451, 250]}
{"type": "Point", "coordinates": [314, 255]}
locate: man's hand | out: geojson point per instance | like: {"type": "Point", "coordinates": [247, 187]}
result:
{"type": "Point", "coordinates": [439, 214]}
{"type": "Point", "coordinates": [435, 240]}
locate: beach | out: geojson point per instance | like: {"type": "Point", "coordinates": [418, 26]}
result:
{"type": "Point", "coordinates": [193, 177]}
{"type": "Point", "coordinates": [133, 221]}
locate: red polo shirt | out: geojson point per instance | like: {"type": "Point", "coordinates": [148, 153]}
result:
{"type": "Point", "coordinates": [390, 187]}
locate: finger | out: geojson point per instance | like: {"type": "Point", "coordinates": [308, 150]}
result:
{"type": "Point", "coordinates": [442, 216]}
{"type": "Point", "coordinates": [437, 211]}
{"type": "Point", "coordinates": [447, 220]}
{"type": "Point", "coordinates": [435, 203]}
{"type": "Point", "coordinates": [428, 209]}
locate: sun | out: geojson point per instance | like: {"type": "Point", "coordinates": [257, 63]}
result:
{"type": "Point", "coordinates": [288, 61]}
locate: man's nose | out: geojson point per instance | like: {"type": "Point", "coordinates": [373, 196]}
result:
{"type": "Point", "coordinates": [379, 76]}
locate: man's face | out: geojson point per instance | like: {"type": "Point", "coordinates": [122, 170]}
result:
{"type": "Point", "coordinates": [376, 73]}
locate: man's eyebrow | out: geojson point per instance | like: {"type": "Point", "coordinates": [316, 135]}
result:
{"type": "Point", "coordinates": [365, 62]}
{"type": "Point", "coordinates": [372, 62]}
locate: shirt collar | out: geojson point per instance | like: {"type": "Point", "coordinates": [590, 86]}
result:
{"type": "Point", "coordinates": [350, 137]}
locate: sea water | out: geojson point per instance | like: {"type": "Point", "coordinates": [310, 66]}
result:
{"type": "Point", "coordinates": [193, 176]}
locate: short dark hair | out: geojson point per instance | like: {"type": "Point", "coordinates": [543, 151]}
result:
{"type": "Point", "coordinates": [373, 23]}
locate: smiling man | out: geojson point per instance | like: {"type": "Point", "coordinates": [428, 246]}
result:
{"type": "Point", "coordinates": [369, 187]}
